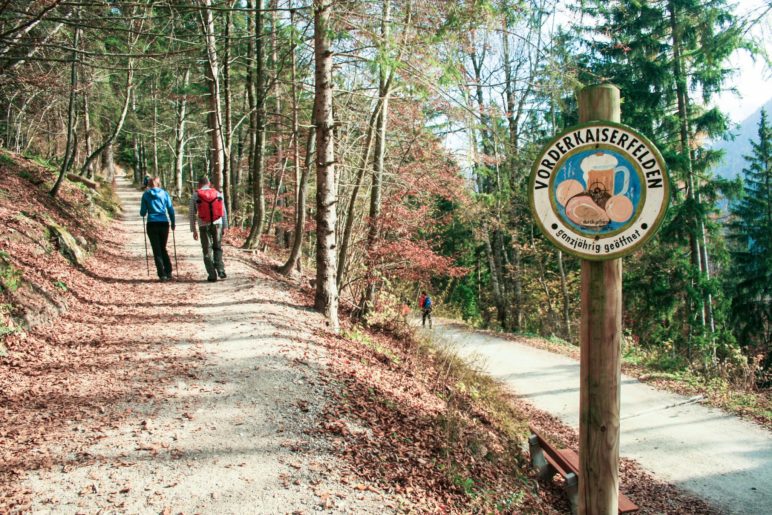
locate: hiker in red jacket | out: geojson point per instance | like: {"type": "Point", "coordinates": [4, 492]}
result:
{"type": "Point", "coordinates": [425, 305]}
{"type": "Point", "coordinates": [207, 214]}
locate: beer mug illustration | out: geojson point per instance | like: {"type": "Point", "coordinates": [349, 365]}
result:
{"type": "Point", "coordinates": [602, 199]}
{"type": "Point", "coordinates": [600, 172]}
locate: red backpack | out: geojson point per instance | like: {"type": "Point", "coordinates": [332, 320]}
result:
{"type": "Point", "coordinates": [209, 205]}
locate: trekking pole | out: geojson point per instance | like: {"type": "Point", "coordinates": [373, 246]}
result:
{"type": "Point", "coordinates": [174, 240]}
{"type": "Point", "coordinates": [144, 232]}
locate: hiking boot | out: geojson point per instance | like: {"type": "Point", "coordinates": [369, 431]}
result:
{"type": "Point", "coordinates": [212, 278]}
{"type": "Point", "coordinates": [221, 274]}
{"type": "Point", "coordinates": [163, 278]}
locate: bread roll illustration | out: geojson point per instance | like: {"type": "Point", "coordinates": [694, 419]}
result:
{"type": "Point", "coordinates": [619, 208]}
{"type": "Point", "coordinates": [568, 189]}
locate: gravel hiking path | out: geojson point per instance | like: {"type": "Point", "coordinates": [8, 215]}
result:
{"type": "Point", "coordinates": [235, 434]}
{"type": "Point", "coordinates": [718, 457]}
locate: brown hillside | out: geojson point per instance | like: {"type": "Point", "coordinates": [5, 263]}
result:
{"type": "Point", "coordinates": [42, 238]}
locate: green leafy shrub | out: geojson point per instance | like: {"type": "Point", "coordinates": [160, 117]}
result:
{"type": "Point", "coordinates": [10, 277]}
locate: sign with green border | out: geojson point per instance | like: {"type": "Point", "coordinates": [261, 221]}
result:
{"type": "Point", "coordinates": [599, 190]}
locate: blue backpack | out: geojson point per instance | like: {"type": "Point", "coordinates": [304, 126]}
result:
{"type": "Point", "coordinates": [427, 303]}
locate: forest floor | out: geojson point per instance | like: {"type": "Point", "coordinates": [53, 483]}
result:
{"type": "Point", "coordinates": [192, 397]}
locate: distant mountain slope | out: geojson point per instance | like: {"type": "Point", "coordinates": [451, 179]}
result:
{"type": "Point", "coordinates": [733, 161]}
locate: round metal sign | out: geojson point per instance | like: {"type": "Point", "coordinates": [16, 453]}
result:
{"type": "Point", "coordinates": [599, 190]}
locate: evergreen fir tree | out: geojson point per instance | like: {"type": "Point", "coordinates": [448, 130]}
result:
{"type": "Point", "coordinates": [751, 236]}
{"type": "Point", "coordinates": [660, 53]}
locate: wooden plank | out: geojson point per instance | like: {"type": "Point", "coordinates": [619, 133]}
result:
{"type": "Point", "coordinates": [566, 461]}
{"type": "Point", "coordinates": [553, 456]}
{"type": "Point", "coordinates": [571, 457]}
{"type": "Point", "coordinates": [600, 366]}
{"type": "Point", "coordinates": [555, 464]}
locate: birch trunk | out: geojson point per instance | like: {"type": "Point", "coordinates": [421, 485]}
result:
{"type": "Point", "coordinates": [155, 131]}
{"type": "Point", "coordinates": [228, 132]}
{"type": "Point", "coordinates": [89, 171]}
{"type": "Point", "coordinates": [179, 134]}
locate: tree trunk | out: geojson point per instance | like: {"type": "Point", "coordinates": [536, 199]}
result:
{"type": "Point", "coordinates": [258, 157]}
{"type": "Point", "coordinates": [275, 203]}
{"type": "Point", "coordinates": [542, 278]}
{"type": "Point", "coordinates": [281, 159]}
{"type": "Point", "coordinates": [301, 178]}
{"type": "Point", "coordinates": [89, 170]}
{"type": "Point", "coordinates": [213, 83]}
{"type": "Point", "coordinates": [493, 247]}
{"type": "Point", "coordinates": [68, 150]}
{"type": "Point", "coordinates": [108, 164]}
{"type": "Point", "coordinates": [566, 298]}
{"type": "Point", "coordinates": [250, 92]}
{"type": "Point", "coordinates": [517, 315]}
{"type": "Point", "coordinates": [501, 310]}
{"type": "Point", "coordinates": [226, 78]}
{"type": "Point", "coordinates": [351, 211]}
{"type": "Point", "coordinates": [512, 120]}
{"type": "Point", "coordinates": [293, 262]}
{"type": "Point", "coordinates": [121, 119]}
{"type": "Point", "coordinates": [376, 192]}
{"type": "Point", "coordinates": [326, 299]}
{"type": "Point", "coordinates": [236, 171]}
{"type": "Point", "coordinates": [179, 134]}
{"type": "Point", "coordinates": [699, 254]}
{"type": "Point", "coordinates": [137, 162]}
{"type": "Point", "coordinates": [155, 129]}
{"type": "Point", "coordinates": [275, 117]}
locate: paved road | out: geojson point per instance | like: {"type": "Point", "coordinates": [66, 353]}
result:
{"type": "Point", "coordinates": [714, 455]}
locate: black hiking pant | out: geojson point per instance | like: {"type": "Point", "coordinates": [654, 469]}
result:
{"type": "Point", "coordinates": [427, 313]}
{"type": "Point", "coordinates": [158, 234]}
{"type": "Point", "coordinates": [211, 245]}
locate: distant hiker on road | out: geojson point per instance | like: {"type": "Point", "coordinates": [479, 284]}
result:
{"type": "Point", "coordinates": [425, 304]}
{"type": "Point", "coordinates": [207, 213]}
{"type": "Point", "coordinates": [157, 205]}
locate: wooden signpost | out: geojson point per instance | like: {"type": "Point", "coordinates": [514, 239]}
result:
{"type": "Point", "coordinates": [599, 191]}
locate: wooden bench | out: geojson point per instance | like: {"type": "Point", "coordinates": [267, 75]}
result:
{"type": "Point", "coordinates": [547, 461]}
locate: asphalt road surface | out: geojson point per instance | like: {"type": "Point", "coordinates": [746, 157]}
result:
{"type": "Point", "coordinates": [714, 455]}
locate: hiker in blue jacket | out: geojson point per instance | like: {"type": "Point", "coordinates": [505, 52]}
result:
{"type": "Point", "coordinates": [157, 205]}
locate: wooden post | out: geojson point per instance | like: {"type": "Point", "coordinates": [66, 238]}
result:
{"type": "Point", "coordinates": [600, 366]}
